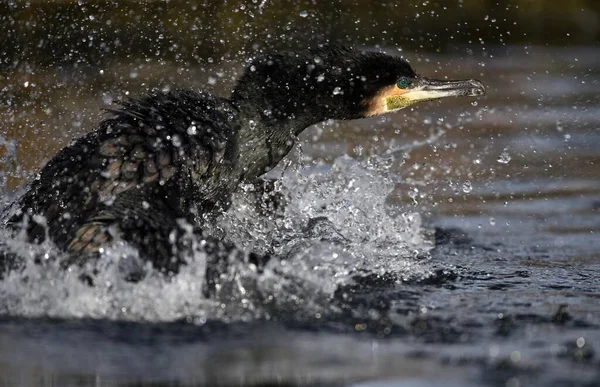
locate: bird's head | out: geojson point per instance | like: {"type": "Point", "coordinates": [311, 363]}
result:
{"type": "Point", "coordinates": [334, 82]}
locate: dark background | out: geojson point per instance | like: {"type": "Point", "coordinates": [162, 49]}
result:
{"type": "Point", "coordinates": [97, 32]}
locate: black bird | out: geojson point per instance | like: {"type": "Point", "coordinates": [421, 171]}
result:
{"type": "Point", "coordinates": [159, 166]}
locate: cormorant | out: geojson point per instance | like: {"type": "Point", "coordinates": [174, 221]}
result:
{"type": "Point", "coordinates": [160, 164]}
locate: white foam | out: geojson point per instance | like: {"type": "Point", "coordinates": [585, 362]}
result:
{"type": "Point", "coordinates": [360, 234]}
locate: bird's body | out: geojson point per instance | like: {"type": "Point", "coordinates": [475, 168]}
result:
{"type": "Point", "coordinates": [161, 164]}
{"type": "Point", "coordinates": [155, 162]}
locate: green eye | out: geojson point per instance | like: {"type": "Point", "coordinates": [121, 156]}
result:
{"type": "Point", "coordinates": [403, 83]}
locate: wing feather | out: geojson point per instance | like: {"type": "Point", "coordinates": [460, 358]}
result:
{"type": "Point", "coordinates": [146, 141]}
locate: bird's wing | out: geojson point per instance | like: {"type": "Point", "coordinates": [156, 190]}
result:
{"type": "Point", "coordinates": [145, 142]}
{"type": "Point", "coordinates": [149, 140]}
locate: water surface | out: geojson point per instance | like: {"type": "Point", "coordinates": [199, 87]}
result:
{"type": "Point", "coordinates": [460, 245]}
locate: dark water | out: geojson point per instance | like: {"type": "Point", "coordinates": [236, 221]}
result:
{"type": "Point", "coordinates": [461, 248]}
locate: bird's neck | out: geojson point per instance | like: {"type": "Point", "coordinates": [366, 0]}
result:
{"type": "Point", "coordinates": [267, 134]}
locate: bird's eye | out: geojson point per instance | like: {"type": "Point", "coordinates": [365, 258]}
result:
{"type": "Point", "coordinates": [403, 83]}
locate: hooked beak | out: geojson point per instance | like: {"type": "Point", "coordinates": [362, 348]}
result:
{"type": "Point", "coordinates": [426, 89]}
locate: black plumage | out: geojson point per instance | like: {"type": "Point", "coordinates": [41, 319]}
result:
{"type": "Point", "coordinates": [160, 165]}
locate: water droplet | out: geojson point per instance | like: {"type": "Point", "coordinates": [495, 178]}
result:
{"type": "Point", "coordinates": [261, 6]}
{"type": "Point", "coordinates": [192, 130]}
{"type": "Point", "coordinates": [107, 99]}
{"type": "Point", "coordinates": [467, 187]}
{"type": "Point", "coordinates": [504, 157]}
{"type": "Point", "coordinates": [559, 127]}
{"type": "Point", "coordinates": [176, 140]}
{"type": "Point", "coordinates": [304, 14]}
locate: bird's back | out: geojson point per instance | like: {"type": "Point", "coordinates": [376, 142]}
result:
{"type": "Point", "coordinates": [157, 152]}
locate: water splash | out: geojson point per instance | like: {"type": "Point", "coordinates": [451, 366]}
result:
{"type": "Point", "coordinates": [504, 157]}
{"type": "Point", "coordinates": [47, 290]}
{"type": "Point", "coordinates": [336, 225]}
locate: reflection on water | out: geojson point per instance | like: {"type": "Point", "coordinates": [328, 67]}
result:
{"type": "Point", "coordinates": [511, 181]}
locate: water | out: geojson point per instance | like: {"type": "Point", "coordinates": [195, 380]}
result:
{"type": "Point", "coordinates": [449, 244]}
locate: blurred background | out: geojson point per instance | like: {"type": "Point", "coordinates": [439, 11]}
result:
{"type": "Point", "coordinates": [97, 33]}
